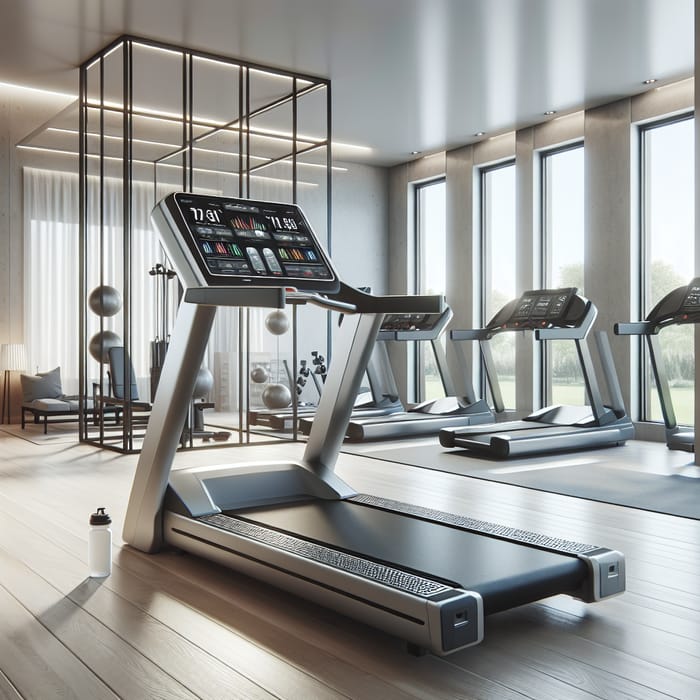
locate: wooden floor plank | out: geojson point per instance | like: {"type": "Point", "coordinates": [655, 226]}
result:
{"type": "Point", "coordinates": [7, 689]}
{"type": "Point", "coordinates": [644, 644]}
{"type": "Point", "coordinates": [35, 665]}
{"type": "Point", "coordinates": [171, 648]}
{"type": "Point", "coordinates": [530, 636]}
{"type": "Point", "coordinates": [354, 657]}
{"type": "Point", "coordinates": [120, 667]}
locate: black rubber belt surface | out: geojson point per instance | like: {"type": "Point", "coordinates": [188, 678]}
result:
{"type": "Point", "coordinates": [388, 576]}
{"type": "Point", "coordinates": [553, 544]}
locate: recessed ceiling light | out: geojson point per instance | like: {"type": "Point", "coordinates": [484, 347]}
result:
{"type": "Point", "coordinates": [550, 112]}
{"type": "Point", "coordinates": [649, 81]}
{"type": "Point", "coordinates": [415, 153]}
{"type": "Point", "coordinates": [480, 133]}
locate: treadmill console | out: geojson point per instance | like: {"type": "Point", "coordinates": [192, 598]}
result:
{"type": "Point", "coordinates": [691, 302]}
{"type": "Point", "coordinates": [542, 308]}
{"type": "Point", "coordinates": [681, 305]}
{"type": "Point", "coordinates": [414, 326]}
{"type": "Point", "coordinates": [411, 322]}
{"type": "Point", "coordinates": [225, 241]}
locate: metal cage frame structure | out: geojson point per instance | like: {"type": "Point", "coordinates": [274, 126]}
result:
{"type": "Point", "coordinates": [116, 85]}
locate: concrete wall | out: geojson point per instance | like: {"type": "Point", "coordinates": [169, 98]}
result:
{"type": "Point", "coordinates": [360, 221]}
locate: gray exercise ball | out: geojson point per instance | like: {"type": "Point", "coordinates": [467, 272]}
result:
{"type": "Point", "coordinates": [259, 375]}
{"type": "Point", "coordinates": [202, 384]}
{"type": "Point", "coordinates": [277, 322]}
{"type": "Point", "coordinates": [276, 396]}
{"type": "Point", "coordinates": [101, 342]}
{"type": "Point", "coordinates": [105, 300]}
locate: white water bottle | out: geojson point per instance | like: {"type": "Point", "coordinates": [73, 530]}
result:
{"type": "Point", "coordinates": [100, 544]}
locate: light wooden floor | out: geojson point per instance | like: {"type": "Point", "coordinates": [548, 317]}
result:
{"type": "Point", "coordinates": [171, 626]}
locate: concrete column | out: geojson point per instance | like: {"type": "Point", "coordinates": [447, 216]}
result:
{"type": "Point", "coordinates": [527, 268]}
{"type": "Point", "coordinates": [610, 249]}
{"type": "Point", "coordinates": [697, 216]}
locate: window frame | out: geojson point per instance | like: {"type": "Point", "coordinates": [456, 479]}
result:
{"type": "Point", "coordinates": [545, 251]}
{"type": "Point", "coordinates": [417, 351]}
{"type": "Point", "coordinates": [485, 252]}
{"type": "Point", "coordinates": [645, 389]}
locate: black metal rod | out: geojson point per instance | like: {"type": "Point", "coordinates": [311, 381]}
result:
{"type": "Point", "coordinates": [240, 132]}
{"type": "Point", "coordinates": [295, 126]}
{"type": "Point", "coordinates": [127, 232]}
{"type": "Point", "coordinates": [82, 282]}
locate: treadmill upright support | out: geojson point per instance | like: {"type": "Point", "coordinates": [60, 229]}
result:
{"type": "Point", "coordinates": [143, 522]}
{"type": "Point", "coordinates": [357, 338]}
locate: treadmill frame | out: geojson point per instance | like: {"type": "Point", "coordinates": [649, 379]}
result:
{"type": "Point", "coordinates": [177, 508]}
{"type": "Point", "coordinates": [592, 425]}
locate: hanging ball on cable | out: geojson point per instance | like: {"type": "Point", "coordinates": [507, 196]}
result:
{"type": "Point", "coordinates": [259, 375]}
{"type": "Point", "coordinates": [105, 300]}
{"type": "Point", "coordinates": [101, 342]}
{"type": "Point", "coordinates": [203, 384]}
{"type": "Point", "coordinates": [276, 396]}
{"type": "Point", "coordinates": [277, 322]}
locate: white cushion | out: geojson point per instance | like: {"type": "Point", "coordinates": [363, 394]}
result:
{"type": "Point", "coordinates": [49, 405]}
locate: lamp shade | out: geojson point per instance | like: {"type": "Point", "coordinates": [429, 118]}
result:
{"type": "Point", "coordinates": [13, 356]}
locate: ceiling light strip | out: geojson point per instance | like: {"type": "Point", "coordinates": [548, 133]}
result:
{"type": "Point", "coordinates": [201, 121]}
{"type": "Point", "coordinates": [202, 55]}
{"type": "Point", "coordinates": [148, 163]}
{"type": "Point", "coordinates": [288, 158]}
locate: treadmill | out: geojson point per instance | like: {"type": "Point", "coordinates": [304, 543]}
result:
{"type": "Point", "coordinates": [425, 576]}
{"type": "Point", "coordinates": [681, 306]}
{"type": "Point", "coordinates": [551, 314]}
{"type": "Point", "coordinates": [427, 417]}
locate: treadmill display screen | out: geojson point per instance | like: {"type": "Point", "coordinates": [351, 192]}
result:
{"type": "Point", "coordinates": [691, 303]}
{"type": "Point", "coordinates": [246, 241]}
{"type": "Point", "coordinates": [541, 308]}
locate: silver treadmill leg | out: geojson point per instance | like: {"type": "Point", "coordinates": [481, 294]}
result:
{"type": "Point", "coordinates": [142, 524]}
{"type": "Point", "coordinates": [354, 345]}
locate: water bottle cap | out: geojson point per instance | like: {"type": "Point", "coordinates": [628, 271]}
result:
{"type": "Point", "coordinates": [100, 518]}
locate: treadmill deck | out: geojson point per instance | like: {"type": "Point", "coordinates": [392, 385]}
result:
{"type": "Point", "coordinates": [505, 573]}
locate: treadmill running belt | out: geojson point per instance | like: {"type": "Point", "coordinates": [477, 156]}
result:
{"type": "Point", "coordinates": [504, 573]}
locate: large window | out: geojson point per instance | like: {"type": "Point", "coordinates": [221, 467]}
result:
{"type": "Point", "coordinates": [498, 260]}
{"type": "Point", "coordinates": [431, 274]}
{"type": "Point", "coordinates": [668, 250]}
{"type": "Point", "coordinates": [563, 253]}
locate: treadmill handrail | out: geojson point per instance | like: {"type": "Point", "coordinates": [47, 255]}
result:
{"type": "Point", "coordinates": [636, 328]}
{"type": "Point", "coordinates": [296, 297]}
{"type": "Point", "coordinates": [658, 366]}
{"type": "Point", "coordinates": [266, 297]}
{"type": "Point", "coordinates": [471, 334]}
{"type": "Point", "coordinates": [366, 303]}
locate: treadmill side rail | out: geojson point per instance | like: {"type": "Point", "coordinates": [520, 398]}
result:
{"type": "Point", "coordinates": [607, 567]}
{"type": "Point", "coordinates": [429, 614]}
{"type": "Point", "coordinates": [459, 621]}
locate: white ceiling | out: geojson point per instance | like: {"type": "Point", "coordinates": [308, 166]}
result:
{"type": "Point", "coordinates": [406, 75]}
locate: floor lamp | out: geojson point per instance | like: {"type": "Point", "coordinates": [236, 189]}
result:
{"type": "Point", "coordinates": [13, 358]}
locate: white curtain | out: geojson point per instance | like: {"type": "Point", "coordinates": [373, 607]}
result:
{"type": "Point", "coordinates": [52, 270]}
{"type": "Point", "coordinates": [51, 255]}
